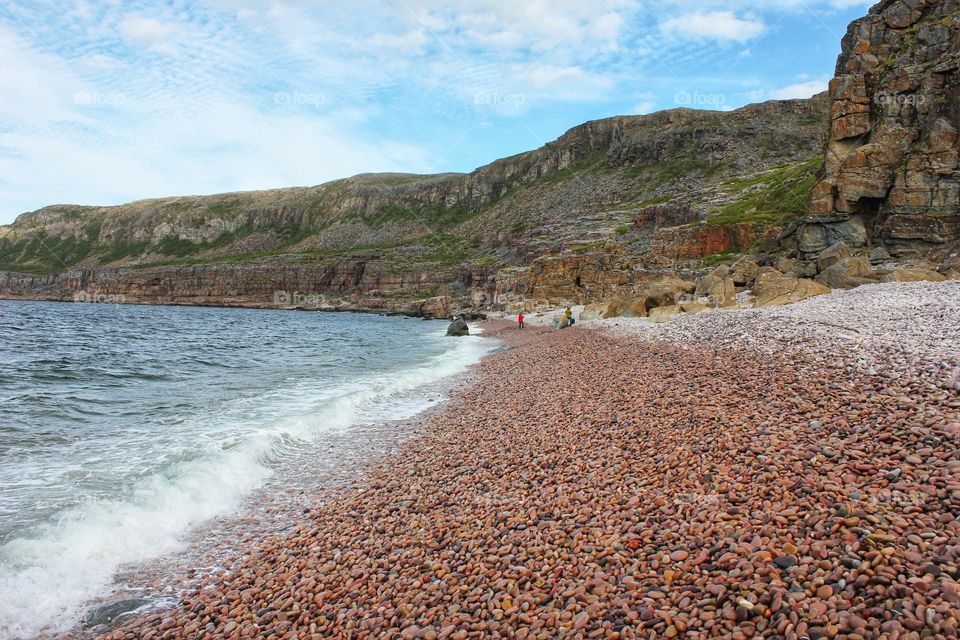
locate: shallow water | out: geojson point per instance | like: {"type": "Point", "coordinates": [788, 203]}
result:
{"type": "Point", "coordinates": [126, 430]}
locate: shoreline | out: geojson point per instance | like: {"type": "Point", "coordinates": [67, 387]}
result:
{"type": "Point", "coordinates": [605, 482]}
{"type": "Point", "coordinates": [283, 502]}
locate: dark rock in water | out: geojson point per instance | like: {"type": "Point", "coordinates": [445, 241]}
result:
{"type": "Point", "coordinates": [458, 328]}
{"type": "Point", "coordinates": [114, 612]}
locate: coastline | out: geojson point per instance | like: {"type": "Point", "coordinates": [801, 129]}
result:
{"type": "Point", "coordinates": [588, 483]}
{"type": "Point", "coordinates": [311, 430]}
{"type": "Point", "coordinates": [283, 502]}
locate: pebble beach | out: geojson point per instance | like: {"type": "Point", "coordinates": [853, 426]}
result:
{"type": "Point", "coordinates": [782, 473]}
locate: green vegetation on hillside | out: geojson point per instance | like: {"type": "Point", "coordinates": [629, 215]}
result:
{"type": "Point", "coordinates": [595, 163]}
{"type": "Point", "coordinates": [41, 254]}
{"type": "Point", "coordinates": [437, 216]}
{"type": "Point", "coordinates": [775, 196]}
{"type": "Point", "coordinates": [717, 258]}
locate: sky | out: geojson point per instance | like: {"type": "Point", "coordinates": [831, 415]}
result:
{"type": "Point", "coordinates": [108, 101]}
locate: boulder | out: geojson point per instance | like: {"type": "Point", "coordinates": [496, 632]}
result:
{"type": "Point", "coordinates": [690, 307]}
{"type": "Point", "coordinates": [662, 314]}
{"type": "Point", "coordinates": [560, 321]}
{"type": "Point", "coordinates": [744, 271]}
{"type": "Point", "coordinates": [773, 288]}
{"type": "Point", "coordinates": [848, 273]}
{"type": "Point", "coordinates": [666, 290]}
{"type": "Point", "coordinates": [595, 311]}
{"type": "Point", "coordinates": [718, 286]}
{"type": "Point", "coordinates": [816, 235]}
{"type": "Point", "coordinates": [832, 255]}
{"type": "Point", "coordinates": [913, 274]}
{"type": "Point", "coordinates": [458, 328]}
{"type": "Point", "coordinates": [950, 268]}
{"type": "Point", "coordinates": [787, 265]}
{"type": "Point", "coordinates": [878, 255]}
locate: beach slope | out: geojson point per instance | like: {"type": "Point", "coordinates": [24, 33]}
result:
{"type": "Point", "coordinates": [788, 473]}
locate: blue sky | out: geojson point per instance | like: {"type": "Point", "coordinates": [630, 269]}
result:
{"type": "Point", "coordinates": [107, 101]}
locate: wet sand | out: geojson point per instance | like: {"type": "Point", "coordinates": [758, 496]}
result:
{"type": "Point", "coordinates": [610, 482]}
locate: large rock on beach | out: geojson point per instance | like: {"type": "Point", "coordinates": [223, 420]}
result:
{"type": "Point", "coordinates": [664, 291]}
{"type": "Point", "coordinates": [744, 271]}
{"type": "Point", "coordinates": [832, 255]}
{"type": "Point", "coordinates": [718, 287]}
{"type": "Point", "coordinates": [913, 274]}
{"type": "Point", "coordinates": [848, 273]}
{"type": "Point", "coordinates": [663, 314]}
{"type": "Point", "coordinates": [458, 328]}
{"type": "Point", "coordinates": [773, 288]}
{"type": "Point", "coordinates": [595, 311]}
{"type": "Point", "coordinates": [892, 159]}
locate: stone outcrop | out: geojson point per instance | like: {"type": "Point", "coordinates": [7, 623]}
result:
{"type": "Point", "coordinates": [643, 298]}
{"type": "Point", "coordinates": [665, 215]}
{"type": "Point", "coordinates": [663, 314]}
{"type": "Point", "coordinates": [773, 288]}
{"type": "Point", "coordinates": [848, 273]}
{"type": "Point", "coordinates": [744, 271]}
{"type": "Point", "coordinates": [891, 172]}
{"type": "Point", "coordinates": [718, 288]}
{"type": "Point", "coordinates": [832, 255]}
{"type": "Point", "coordinates": [699, 240]}
{"type": "Point", "coordinates": [913, 274]}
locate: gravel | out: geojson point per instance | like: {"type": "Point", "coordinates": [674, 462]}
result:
{"type": "Point", "coordinates": [877, 329]}
{"type": "Point", "coordinates": [740, 479]}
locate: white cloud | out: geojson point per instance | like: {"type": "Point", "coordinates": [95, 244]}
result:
{"type": "Point", "coordinates": [148, 33]}
{"type": "Point", "coordinates": [799, 90]}
{"type": "Point", "coordinates": [411, 42]}
{"type": "Point", "coordinates": [804, 89]}
{"type": "Point", "coordinates": [715, 25]}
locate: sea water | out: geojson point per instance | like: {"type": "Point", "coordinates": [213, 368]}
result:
{"type": "Point", "coordinates": [124, 428]}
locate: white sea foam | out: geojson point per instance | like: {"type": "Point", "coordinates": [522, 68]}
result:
{"type": "Point", "coordinates": [47, 580]}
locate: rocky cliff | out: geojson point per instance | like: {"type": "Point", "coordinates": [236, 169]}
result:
{"type": "Point", "coordinates": [890, 176]}
{"type": "Point", "coordinates": [419, 244]}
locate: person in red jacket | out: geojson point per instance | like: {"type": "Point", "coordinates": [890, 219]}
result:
{"type": "Point", "coordinates": [520, 320]}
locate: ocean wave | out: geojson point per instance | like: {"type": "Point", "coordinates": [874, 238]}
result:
{"type": "Point", "coordinates": [50, 573]}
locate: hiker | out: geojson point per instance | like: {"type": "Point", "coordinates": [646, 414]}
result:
{"type": "Point", "coordinates": [520, 320]}
{"type": "Point", "coordinates": [570, 319]}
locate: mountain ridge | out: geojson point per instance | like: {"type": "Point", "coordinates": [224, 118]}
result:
{"type": "Point", "coordinates": [410, 206]}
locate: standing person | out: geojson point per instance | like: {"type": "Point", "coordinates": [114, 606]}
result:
{"type": "Point", "coordinates": [570, 319]}
{"type": "Point", "coordinates": [520, 320]}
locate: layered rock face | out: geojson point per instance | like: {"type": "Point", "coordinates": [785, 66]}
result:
{"type": "Point", "coordinates": [697, 241]}
{"type": "Point", "coordinates": [350, 285]}
{"type": "Point", "coordinates": [891, 174]}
